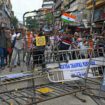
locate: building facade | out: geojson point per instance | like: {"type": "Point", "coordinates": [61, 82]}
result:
{"type": "Point", "coordinates": [98, 3]}
{"type": "Point", "coordinates": [45, 12]}
{"type": "Point", "coordinates": [47, 4]}
{"type": "Point", "coordinates": [97, 8]}
{"type": "Point", "coordinates": [58, 4]}
{"type": "Point", "coordinates": [77, 8]}
{"type": "Point", "coordinates": [5, 13]}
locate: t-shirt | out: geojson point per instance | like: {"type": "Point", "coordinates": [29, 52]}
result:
{"type": "Point", "coordinates": [29, 40]}
{"type": "Point", "coordinates": [19, 41]}
{"type": "Point", "coordinates": [83, 48]}
{"type": "Point", "coordinates": [52, 40]}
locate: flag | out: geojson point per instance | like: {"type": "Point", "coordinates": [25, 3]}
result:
{"type": "Point", "coordinates": [68, 17]}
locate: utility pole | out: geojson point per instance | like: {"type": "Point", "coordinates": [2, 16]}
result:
{"type": "Point", "coordinates": [92, 19]}
{"type": "Point", "coordinates": [32, 81]}
{"type": "Point", "coordinates": [53, 17]}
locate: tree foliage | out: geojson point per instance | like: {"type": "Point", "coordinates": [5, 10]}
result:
{"type": "Point", "coordinates": [14, 22]}
{"type": "Point", "coordinates": [32, 23]}
{"type": "Point", "coordinates": [49, 18]}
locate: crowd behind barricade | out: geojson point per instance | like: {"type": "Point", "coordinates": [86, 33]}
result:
{"type": "Point", "coordinates": [21, 45]}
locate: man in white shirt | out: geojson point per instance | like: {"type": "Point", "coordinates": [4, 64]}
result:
{"type": "Point", "coordinates": [83, 48]}
{"type": "Point", "coordinates": [18, 46]}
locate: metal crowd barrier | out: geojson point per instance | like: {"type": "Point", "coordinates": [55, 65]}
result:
{"type": "Point", "coordinates": [99, 73]}
{"type": "Point", "coordinates": [61, 66]}
{"type": "Point", "coordinates": [67, 65]}
{"type": "Point", "coordinates": [72, 64]}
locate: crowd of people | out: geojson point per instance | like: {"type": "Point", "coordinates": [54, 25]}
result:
{"type": "Point", "coordinates": [18, 45]}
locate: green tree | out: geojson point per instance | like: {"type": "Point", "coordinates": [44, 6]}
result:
{"type": "Point", "coordinates": [32, 23]}
{"type": "Point", "coordinates": [14, 22]}
{"type": "Point", "coordinates": [49, 18]}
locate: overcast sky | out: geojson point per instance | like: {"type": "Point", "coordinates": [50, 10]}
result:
{"type": "Point", "coordinates": [22, 6]}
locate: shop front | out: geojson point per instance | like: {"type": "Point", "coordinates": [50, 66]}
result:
{"type": "Point", "coordinates": [99, 14]}
{"type": "Point", "coordinates": [99, 18]}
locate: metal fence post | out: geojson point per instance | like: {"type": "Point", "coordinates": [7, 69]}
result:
{"type": "Point", "coordinates": [92, 18]}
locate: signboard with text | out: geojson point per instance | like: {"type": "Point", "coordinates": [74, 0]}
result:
{"type": "Point", "coordinates": [78, 68]}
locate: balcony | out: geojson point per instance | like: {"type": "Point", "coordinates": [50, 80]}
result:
{"type": "Point", "coordinates": [99, 3]}
{"type": "Point", "coordinates": [89, 2]}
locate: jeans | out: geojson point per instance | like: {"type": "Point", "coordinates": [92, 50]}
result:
{"type": "Point", "coordinates": [15, 57]}
{"type": "Point", "coordinates": [3, 55]}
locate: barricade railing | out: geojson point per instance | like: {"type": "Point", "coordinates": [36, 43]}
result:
{"type": "Point", "coordinates": [100, 72]}
{"type": "Point", "coordinates": [72, 64]}
{"type": "Point", "coordinates": [65, 65]}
